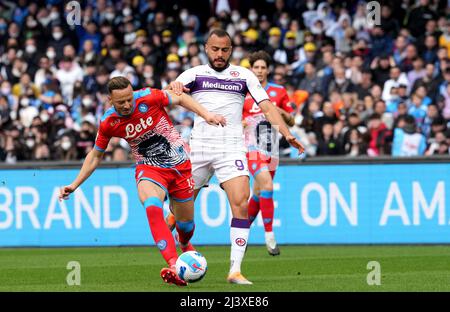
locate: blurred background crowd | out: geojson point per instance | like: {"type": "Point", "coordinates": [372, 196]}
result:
{"type": "Point", "coordinates": [357, 88]}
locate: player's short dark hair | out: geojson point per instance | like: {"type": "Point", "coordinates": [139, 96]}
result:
{"type": "Point", "coordinates": [219, 33]}
{"type": "Point", "coordinates": [259, 55]}
{"type": "Point", "coordinates": [118, 83]}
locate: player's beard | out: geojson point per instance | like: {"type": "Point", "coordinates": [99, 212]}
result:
{"type": "Point", "coordinates": [219, 69]}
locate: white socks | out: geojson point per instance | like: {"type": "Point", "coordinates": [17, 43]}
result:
{"type": "Point", "coordinates": [239, 232]}
{"type": "Point", "coordinates": [270, 239]}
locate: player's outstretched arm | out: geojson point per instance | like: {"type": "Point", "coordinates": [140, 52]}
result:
{"type": "Point", "coordinates": [190, 104]}
{"type": "Point", "coordinates": [90, 163]}
{"type": "Point", "coordinates": [275, 119]}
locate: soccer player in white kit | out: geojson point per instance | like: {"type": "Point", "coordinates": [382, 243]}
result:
{"type": "Point", "coordinates": [221, 88]}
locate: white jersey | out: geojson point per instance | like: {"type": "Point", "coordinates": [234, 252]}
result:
{"type": "Point", "coordinates": [221, 93]}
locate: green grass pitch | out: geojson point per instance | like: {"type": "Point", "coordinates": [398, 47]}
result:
{"type": "Point", "coordinates": [298, 268]}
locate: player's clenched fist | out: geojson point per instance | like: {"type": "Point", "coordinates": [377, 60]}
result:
{"type": "Point", "coordinates": [65, 191]}
{"type": "Point", "coordinates": [215, 120]}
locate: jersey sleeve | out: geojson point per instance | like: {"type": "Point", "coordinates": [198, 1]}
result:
{"type": "Point", "coordinates": [285, 103]}
{"type": "Point", "coordinates": [160, 97]}
{"type": "Point", "coordinates": [102, 139]}
{"type": "Point", "coordinates": [187, 78]}
{"type": "Point", "coordinates": [255, 89]}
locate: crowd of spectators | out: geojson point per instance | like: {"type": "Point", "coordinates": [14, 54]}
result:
{"type": "Point", "coordinates": [358, 88]}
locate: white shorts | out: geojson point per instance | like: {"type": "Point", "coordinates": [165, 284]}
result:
{"type": "Point", "coordinates": [226, 166]}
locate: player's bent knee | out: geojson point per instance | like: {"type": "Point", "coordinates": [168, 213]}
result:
{"type": "Point", "coordinates": [240, 207]}
{"type": "Point", "coordinates": [266, 186]}
{"type": "Point", "coordinates": [186, 226]}
{"type": "Point", "coordinates": [265, 182]}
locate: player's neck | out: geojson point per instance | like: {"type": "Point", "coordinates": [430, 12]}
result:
{"type": "Point", "coordinates": [264, 83]}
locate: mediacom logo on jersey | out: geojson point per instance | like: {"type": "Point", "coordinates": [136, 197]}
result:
{"type": "Point", "coordinates": [223, 86]}
{"type": "Point", "coordinates": [132, 130]}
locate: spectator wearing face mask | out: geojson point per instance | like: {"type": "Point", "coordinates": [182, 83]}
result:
{"type": "Point", "coordinates": [31, 56]}
{"type": "Point", "coordinates": [86, 137]}
{"type": "Point", "coordinates": [354, 144]}
{"type": "Point", "coordinates": [14, 71]}
{"type": "Point", "coordinates": [149, 77]}
{"type": "Point", "coordinates": [58, 41]}
{"type": "Point", "coordinates": [340, 83]}
{"type": "Point", "coordinates": [6, 91]}
{"type": "Point", "coordinates": [30, 144]}
{"type": "Point", "coordinates": [65, 148]}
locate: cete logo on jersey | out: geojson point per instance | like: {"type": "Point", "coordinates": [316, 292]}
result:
{"type": "Point", "coordinates": [234, 73]}
{"type": "Point", "coordinates": [240, 241]}
{"type": "Point", "coordinates": [273, 93]}
{"type": "Point", "coordinates": [132, 130]}
{"type": "Point", "coordinates": [143, 108]}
